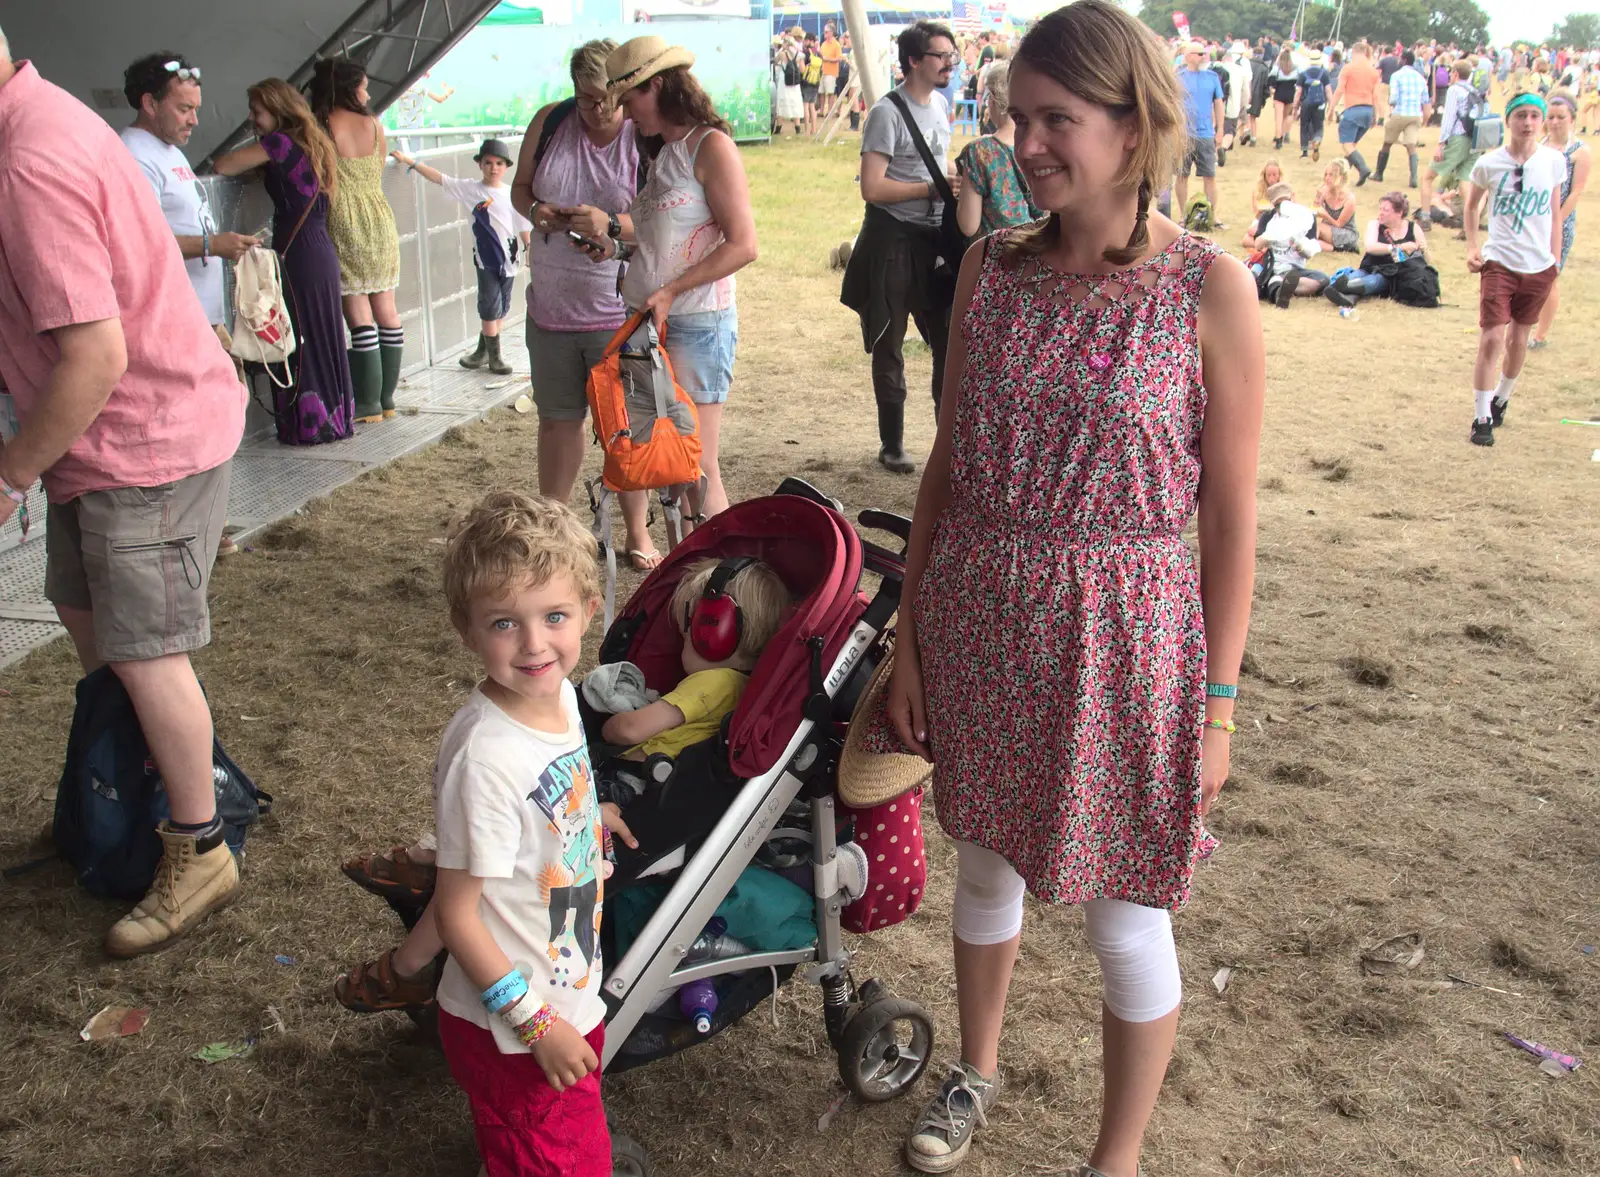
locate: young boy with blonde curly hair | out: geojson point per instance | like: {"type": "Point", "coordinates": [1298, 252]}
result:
{"type": "Point", "coordinates": [519, 864]}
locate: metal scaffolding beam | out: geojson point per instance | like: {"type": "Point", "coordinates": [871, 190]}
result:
{"type": "Point", "coordinates": [395, 41]}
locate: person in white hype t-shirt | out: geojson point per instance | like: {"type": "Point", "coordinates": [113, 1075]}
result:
{"type": "Point", "coordinates": [164, 88]}
{"type": "Point", "coordinates": [1522, 183]}
{"type": "Point", "coordinates": [501, 234]}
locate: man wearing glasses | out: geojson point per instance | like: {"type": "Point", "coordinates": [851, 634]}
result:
{"type": "Point", "coordinates": [905, 260]}
{"type": "Point", "coordinates": [1522, 184]}
{"type": "Point", "coordinates": [164, 90]}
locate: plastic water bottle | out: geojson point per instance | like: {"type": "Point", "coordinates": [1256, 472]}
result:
{"type": "Point", "coordinates": [1348, 313]}
{"type": "Point", "coordinates": [697, 1001]}
{"type": "Point", "coordinates": [714, 943]}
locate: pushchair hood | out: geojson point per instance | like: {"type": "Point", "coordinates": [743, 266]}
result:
{"type": "Point", "coordinates": [818, 555]}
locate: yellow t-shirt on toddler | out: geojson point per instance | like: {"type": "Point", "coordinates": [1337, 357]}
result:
{"type": "Point", "coordinates": [704, 698]}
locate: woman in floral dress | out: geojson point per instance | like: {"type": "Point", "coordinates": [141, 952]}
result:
{"type": "Point", "coordinates": [993, 193]}
{"type": "Point", "coordinates": [301, 175]}
{"type": "Point", "coordinates": [1062, 660]}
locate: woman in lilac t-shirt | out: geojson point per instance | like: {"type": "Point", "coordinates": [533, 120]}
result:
{"type": "Point", "coordinates": [590, 162]}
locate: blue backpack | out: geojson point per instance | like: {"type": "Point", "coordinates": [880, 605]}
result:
{"type": "Point", "coordinates": [1315, 82]}
{"type": "Point", "coordinates": [111, 797]}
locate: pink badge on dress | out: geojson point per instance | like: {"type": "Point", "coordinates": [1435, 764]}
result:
{"type": "Point", "coordinates": [1099, 361]}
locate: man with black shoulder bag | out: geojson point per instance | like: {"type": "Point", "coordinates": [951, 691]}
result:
{"type": "Point", "coordinates": [905, 261]}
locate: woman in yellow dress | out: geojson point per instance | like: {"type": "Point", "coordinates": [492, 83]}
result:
{"type": "Point", "coordinates": [361, 224]}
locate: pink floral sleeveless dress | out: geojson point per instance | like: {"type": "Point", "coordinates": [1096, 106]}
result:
{"type": "Point", "coordinates": [1059, 619]}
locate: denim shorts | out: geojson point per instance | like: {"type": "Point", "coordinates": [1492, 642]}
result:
{"type": "Point", "coordinates": [494, 295]}
{"type": "Point", "coordinates": [701, 346]}
{"type": "Point", "coordinates": [1355, 122]}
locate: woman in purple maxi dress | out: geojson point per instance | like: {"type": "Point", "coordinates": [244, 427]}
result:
{"type": "Point", "coordinates": [319, 404]}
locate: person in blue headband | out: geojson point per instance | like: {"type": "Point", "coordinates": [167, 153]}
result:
{"type": "Point", "coordinates": [1521, 100]}
{"type": "Point", "coordinates": [1521, 181]}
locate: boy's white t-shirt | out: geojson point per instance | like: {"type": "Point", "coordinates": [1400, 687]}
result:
{"type": "Point", "coordinates": [185, 207]}
{"type": "Point", "coordinates": [516, 807]}
{"type": "Point", "coordinates": [1519, 222]}
{"type": "Point", "coordinates": [507, 222]}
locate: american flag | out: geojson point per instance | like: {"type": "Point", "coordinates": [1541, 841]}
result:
{"type": "Point", "coordinates": [966, 17]}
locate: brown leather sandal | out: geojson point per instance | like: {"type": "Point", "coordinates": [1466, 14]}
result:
{"type": "Point", "coordinates": [377, 987]}
{"type": "Point", "coordinates": [395, 874]}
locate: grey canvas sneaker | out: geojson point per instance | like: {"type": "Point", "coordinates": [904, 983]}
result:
{"type": "Point", "coordinates": [943, 1133]}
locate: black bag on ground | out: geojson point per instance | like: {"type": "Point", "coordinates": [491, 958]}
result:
{"type": "Point", "coordinates": [111, 797]}
{"type": "Point", "coordinates": [1413, 282]}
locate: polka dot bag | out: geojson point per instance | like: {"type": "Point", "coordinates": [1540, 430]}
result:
{"type": "Point", "coordinates": [897, 868]}
{"type": "Point", "coordinates": [881, 787]}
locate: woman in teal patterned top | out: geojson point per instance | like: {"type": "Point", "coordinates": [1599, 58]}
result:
{"type": "Point", "coordinates": [993, 193]}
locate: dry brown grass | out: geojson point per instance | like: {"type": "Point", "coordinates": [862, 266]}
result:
{"type": "Point", "coordinates": [1420, 729]}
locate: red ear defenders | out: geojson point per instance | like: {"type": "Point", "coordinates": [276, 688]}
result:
{"type": "Point", "coordinates": [714, 624]}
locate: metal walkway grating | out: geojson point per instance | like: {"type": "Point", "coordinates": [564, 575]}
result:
{"type": "Point", "coordinates": [271, 481]}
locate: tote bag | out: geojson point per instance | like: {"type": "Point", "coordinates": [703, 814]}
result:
{"type": "Point", "coordinates": [262, 332]}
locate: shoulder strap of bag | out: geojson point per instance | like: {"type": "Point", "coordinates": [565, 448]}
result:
{"type": "Point", "coordinates": [306, 212]}
{"type": "Point", "coordinates": [558, 115]}
{"type": "Point", "coordinates": [940, 182]}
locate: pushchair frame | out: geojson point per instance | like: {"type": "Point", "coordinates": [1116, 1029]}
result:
{"type": "Point", "coordinates": [883, 1043]}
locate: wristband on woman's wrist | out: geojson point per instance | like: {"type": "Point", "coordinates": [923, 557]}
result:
{"type": "Point", "coordinates": [1222, 725]}
{"type": "Point", "coordinates": [505, 992]}
{"type": "Point", "coordinates": [1221, 690]}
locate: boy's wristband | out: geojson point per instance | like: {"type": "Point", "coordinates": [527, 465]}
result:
{"type": "Point", "coordinates": [536, 1025]}
{"type": "Point", "coordinates": [505, 992]}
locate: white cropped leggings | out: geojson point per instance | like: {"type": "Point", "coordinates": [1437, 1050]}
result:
{"type": "Point", "coordinates": [1138, 958]}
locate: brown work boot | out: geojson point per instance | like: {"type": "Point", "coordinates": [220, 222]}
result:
{"type": "Point", "coordinates": [188, 886]}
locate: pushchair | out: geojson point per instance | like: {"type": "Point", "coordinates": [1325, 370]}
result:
{"type": "Point", "coordinates": [768, 778]}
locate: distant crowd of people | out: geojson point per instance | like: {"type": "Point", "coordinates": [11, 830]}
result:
{"type": "Point", "coordinates": [1530, 229]}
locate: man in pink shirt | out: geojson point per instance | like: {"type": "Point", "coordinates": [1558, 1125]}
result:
{"type": "Point", "coordinates": [130, 413]}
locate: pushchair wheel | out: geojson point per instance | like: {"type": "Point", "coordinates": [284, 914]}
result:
{"type": "Point", "coordinates": [628, 1158]}
{"type": "Point", "coordinates": [884, 1049]}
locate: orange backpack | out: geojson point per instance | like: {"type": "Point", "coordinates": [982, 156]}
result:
{"type": "Point", "coordinates": [647, 425]}
{"type": "Point", "coordinates": [649, 430]}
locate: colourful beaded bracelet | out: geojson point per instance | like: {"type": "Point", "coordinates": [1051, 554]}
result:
{"type": "Point", "coordinates": [1221, 690]}
{"type": "Point", "coordinates": [536, 1026]}
{"type": "Point", "coordinates": [1222, 725]}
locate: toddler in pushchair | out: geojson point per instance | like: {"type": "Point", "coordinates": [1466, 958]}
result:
{"type": "Point", "coordinates": [726, 612]}
{"type": "Point", "coordinates": [744, 866]}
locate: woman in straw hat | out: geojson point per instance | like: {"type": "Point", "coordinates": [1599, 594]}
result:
{"type": "Point", "coordinates": [1061, 660]}
{"type": "Point", "coordinates": [689, 231]}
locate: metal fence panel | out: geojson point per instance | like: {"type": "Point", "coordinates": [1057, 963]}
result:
{"type": "Point", "coordinates": [438, 291]}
